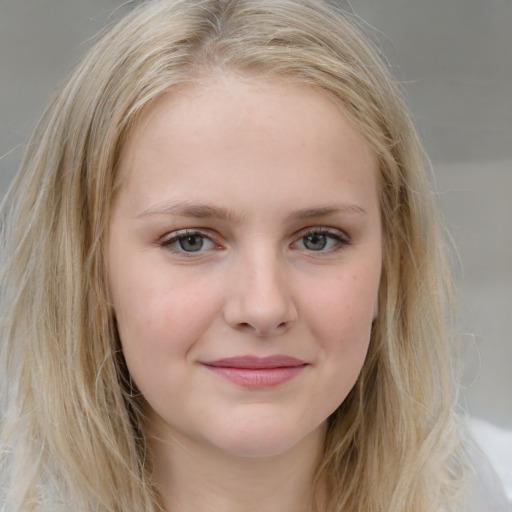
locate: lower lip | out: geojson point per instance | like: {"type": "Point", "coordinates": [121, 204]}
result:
{"type": "Point", "coordinates": [257, 377]}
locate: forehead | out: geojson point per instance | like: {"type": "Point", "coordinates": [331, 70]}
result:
{"type": "Point", "coordinates": [234, 133]}
{"type": "Point", "coordinates": [222, 98]}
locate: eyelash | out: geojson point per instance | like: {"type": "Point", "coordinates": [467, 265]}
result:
{"type": "Point", "coordinates": [168, 242]}
{"type": "Point", "coordinates": [340, 240]}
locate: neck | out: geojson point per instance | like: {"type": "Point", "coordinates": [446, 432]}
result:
{"type": "Point", "coordinates": [196, 477]}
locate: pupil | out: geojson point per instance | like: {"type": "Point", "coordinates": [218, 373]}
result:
{"type": "Point", "coordinates": [315, 242]}
{"type": "Point", "coordinates": [191, 243]}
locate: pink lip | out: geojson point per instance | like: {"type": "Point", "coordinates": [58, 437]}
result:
{"type": "Point", "coordinates": [257, 372]}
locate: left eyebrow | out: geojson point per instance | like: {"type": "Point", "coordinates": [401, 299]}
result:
{"type": "Point", "coordinates": [343, 208]}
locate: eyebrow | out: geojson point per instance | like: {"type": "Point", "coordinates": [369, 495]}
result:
{"type": "Point", "coordinates": [342, 208]}
{"type": "Point", "coordinates": [205, 211]}
{"type": "Point", "coordinates": [198, 211]}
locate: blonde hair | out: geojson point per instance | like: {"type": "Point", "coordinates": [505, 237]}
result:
{"type": "Point", "coordinates": [72, 431]}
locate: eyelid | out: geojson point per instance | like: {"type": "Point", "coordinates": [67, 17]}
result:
{"type": "Point", "coordinates": [342, 239]}
{"type": "Point", "coordinates": [169, 239]}
{"type": "Point", "coordinates": [323, 230]}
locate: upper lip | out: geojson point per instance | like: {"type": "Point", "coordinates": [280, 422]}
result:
{"type": "Point", "coordinates": [254, 362]}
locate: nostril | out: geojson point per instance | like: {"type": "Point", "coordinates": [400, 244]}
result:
{"type": "Point", "coordinates": [262, 330]}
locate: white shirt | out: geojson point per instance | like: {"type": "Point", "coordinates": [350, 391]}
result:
{"type": "Point", "coordinates": [490, 451]}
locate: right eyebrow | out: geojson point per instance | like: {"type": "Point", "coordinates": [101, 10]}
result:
{"type": "Point", "coordinates": [198, 211]}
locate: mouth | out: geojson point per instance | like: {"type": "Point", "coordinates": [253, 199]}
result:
{"type": "Point", "coordinates": [257, 372]}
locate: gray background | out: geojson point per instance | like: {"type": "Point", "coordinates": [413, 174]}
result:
{"type": "Point", "coordinates": [454, 58]}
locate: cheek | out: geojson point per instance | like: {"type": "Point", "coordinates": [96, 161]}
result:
{"type": "Point", "coordinates": [340, 319]}
{"type": "Point", "coordinates": [160, 318]}
{"type": "Point", "coordinates": [342, 311]}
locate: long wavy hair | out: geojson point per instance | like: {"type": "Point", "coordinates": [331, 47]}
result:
{"type": "Point", "coordinates": [72, 427]}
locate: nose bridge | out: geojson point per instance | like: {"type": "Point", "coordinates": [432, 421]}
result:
{"type": "Point", "coordinates": [261, 300]}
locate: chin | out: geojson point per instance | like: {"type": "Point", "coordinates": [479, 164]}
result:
{"type": "Point", "coordinates": [263, 440]}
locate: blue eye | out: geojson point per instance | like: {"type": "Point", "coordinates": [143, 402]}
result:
{"type": "Point", "coordinates": [189, 241]}
{"type": "Point", "coordinates": [315, 242]}
{"type": "Point", "coordinates": [321, 241]}
{"type": "Point", "coordinates": [192, 243]}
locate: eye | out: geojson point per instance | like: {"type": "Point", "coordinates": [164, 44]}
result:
{"type": "Point", "coordinates": [321, 241]}
{"type": "Point", "coordinates": [188, 242]}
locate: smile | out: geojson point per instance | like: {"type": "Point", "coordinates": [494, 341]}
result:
{"type": "Point", "coordinates": [256, 372]}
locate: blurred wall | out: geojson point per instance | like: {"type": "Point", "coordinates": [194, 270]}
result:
{"type": "Point", "coordinates": [454, 58]}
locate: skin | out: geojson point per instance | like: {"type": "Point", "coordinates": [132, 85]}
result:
{"type": "Point", "coordinates": [251, 168]}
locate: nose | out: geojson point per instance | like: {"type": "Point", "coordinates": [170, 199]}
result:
{"type": "Point", "coordinates": [260, 300]}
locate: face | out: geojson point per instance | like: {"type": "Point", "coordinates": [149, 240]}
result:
{"type": "Point", "coordinates": [244, 263]}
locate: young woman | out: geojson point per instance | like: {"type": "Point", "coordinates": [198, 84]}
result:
{"type": "Point", "coordinates": [224, 287]}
